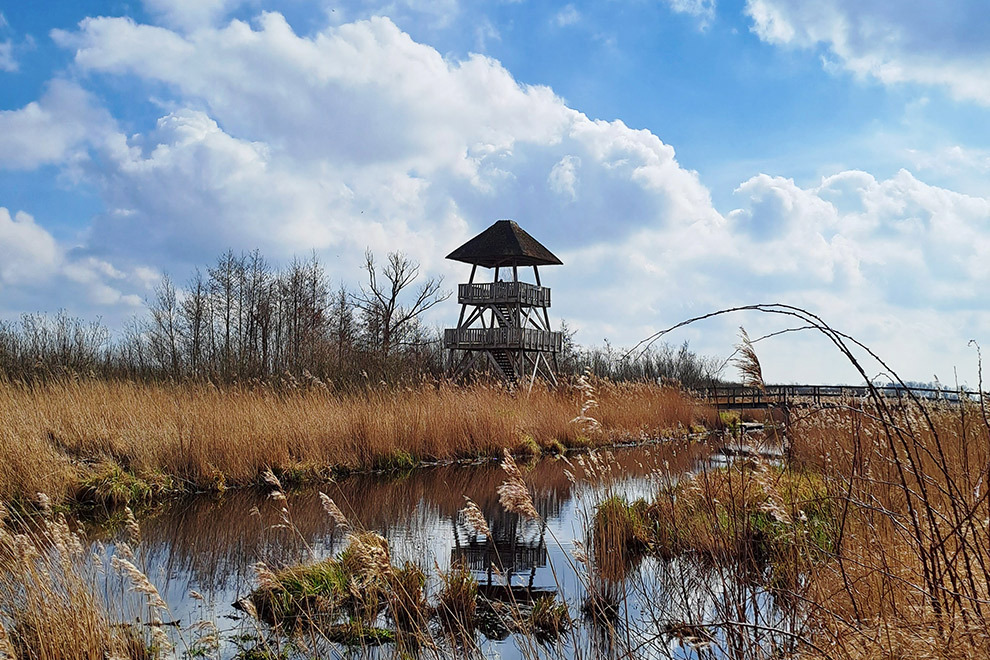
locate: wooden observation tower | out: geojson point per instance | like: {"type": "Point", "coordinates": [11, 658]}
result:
{"type": "Point", "coordinates": [505, 322]}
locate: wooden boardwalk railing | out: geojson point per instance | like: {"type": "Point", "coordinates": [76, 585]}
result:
{"type": "Point", "coordinates": [742, 397]}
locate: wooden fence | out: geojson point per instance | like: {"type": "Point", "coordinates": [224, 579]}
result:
{"type": "Point", "coordinates": [742, 397]}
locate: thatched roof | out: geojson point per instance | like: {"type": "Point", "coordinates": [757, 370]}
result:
{"type": "Point", "coordinates": [504, 244]}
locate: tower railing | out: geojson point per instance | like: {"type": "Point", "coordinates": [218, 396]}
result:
{"type": "Point", "coordinates": [527, 339]}
{"type": "Point", "coordinates": [488, 293]}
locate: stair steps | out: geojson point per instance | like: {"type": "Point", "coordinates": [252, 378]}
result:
{"type": "Point", "coordinates": [505, 365]}
{"type": "Point", "coordinates": [503, 313]}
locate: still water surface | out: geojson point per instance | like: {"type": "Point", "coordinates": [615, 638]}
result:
{"type": "Point", "coordinates": [209, 545]}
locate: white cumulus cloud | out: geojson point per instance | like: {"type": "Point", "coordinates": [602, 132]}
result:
{"type": "Point", "coordinates": [190, 14]}
{"type": "Point", "coordinates": [894, 42]}
{"type": "Point", "coordinates": [52, 129]}
{"type": "Point", "coordinates": [356, 136]}
{"type": "Point", "coordinates": [27, 251]}
{"type": "Point", "coordinates": [36, 269]}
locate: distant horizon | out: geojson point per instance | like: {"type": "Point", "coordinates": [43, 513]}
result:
{"type": "Point", "coordinates": [680, 157]}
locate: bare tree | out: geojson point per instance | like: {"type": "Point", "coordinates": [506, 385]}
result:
{"type": "Point", "coordinates": [342, 329]}
{"type": "Point", "coordinates": [164, 328]}
{"type": "Point", "coordinates": [195, 318]}
{"type": "Point", "coordinates": [257, 312]}
{"type": "Point", "coordinates": [388, 321]}
{"type": "Point", "coordinates": [304, 316]}
{"type": "Point", "coordinates": [225, 292]}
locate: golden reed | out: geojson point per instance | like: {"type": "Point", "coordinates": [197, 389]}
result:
{"type": "Point", "coordinates": [123, 441]}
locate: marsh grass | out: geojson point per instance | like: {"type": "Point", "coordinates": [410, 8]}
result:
{"type": "Point", "coordinates": [621, 534]}
{"type": "Point", "coordinates": [457, 603]}
{"type": "Point", "coordinates": [118, 442]}
{"type": "Point", "coordinates": [869, 539]}
{"type": "Point", "coordinates": [911, 574]}
{"type": "Point", "coordinates": [872, 537]}
{"type": "Point", "coordinates": [342, 597]}
{"type": "Point", "coordinates": [549, 617]}
{"type": "Point", "coordinates": [748, 509]}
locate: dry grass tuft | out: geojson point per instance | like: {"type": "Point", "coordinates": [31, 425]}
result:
{"type": "Point", "coordinates": [53, 604]}
{"type": "Point", "coordinates": [457, 603]}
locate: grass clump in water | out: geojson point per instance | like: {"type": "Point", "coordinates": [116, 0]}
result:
{"type": "Point", "coordinates": [750, 511]}
{"type": "Point", "coordinates": [406, 592]}
{"type": "Point", "coordinates": [355, 586]}
{"type": "Point", "coordinates": [113, 486]}
{"type": "Point", "coordinates": [779, 517]}
{"type": "Point", "coordinates": [549, 617]}
{"type": "Point", "coordinates": [458, 601]}
{"type": "Point", "coordinates": [621, 533]}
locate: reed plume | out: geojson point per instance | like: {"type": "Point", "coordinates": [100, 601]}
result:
{"type": "Point", "coordinates": [513, 494]}
{"type": "Point", "coordinates": [332, 510]}
{"type": "Point", "coordinates": [748, 363]}
{"type": "Point", "coordinates": [474, 518]}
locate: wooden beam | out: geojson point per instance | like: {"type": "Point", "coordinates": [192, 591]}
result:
{"type": "Point", "coordinates": [532, 378]}
{"type": "Point", "coordinates": [474, 316]}
{"type": "Point", "coordinates": [505, 319]}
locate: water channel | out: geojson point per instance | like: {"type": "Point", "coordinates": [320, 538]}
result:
{"type": "Point", "coordinates": [208, 545]}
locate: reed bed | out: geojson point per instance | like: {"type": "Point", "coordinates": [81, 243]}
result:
{"type": "Point", "coordinates": [52, 598]}
{"type": "Point", "coordinates": [119, 442]}
{"type": "Point", "coordinates": [911, 574]}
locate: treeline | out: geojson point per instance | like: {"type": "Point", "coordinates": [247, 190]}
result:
{"type": "Point", "coordinates": [244, 320]}
{"type": "Point", "coordinates": [664, 364]}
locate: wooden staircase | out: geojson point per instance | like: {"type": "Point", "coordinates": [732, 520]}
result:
{"type": "Point", "coordinates": [505, 365]}
{"type": "Point", "coordinates": [503, 313]}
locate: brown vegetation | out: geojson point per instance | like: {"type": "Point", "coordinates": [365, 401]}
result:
{"type": "Point", "coordinates": [911, 577]}
{"type": "Point", "coordinates": [115, 442]}
{"type": "Point", "coordinates": [872, 537]}
{"type": "Point", "coordinates": [844, 550]}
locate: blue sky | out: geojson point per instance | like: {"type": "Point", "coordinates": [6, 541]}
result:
{"type": "Point", "coordinates": [681, 156]}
